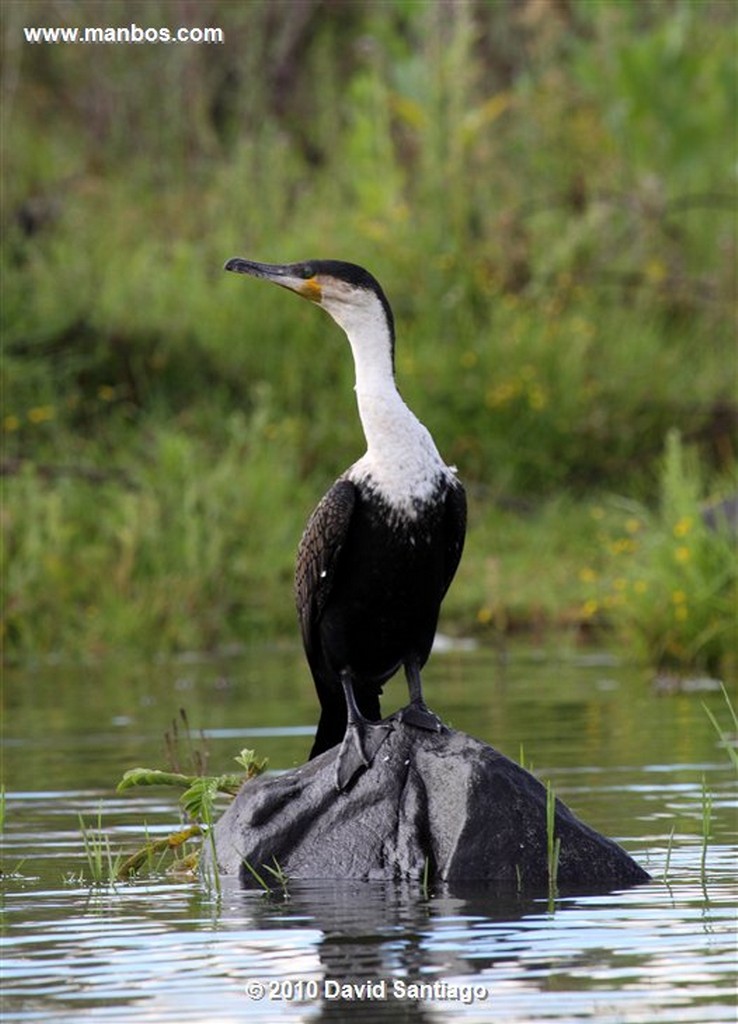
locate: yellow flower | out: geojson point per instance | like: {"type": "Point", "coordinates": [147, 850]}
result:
{"type": "Point", "coordinates": [587, 575]}
{"type": "Point", "coordinates": [682, 528]}
{"type": "Point", "coordinates": [679, 597]}
{"type": "Point", "coordinates": [502, 393]}
{"type": "Point", "coordinates": [41, 413]}
{"type": "Point", "coordinates": [682, 554]}
{"type": "Point", "coordinates": [484, 615]}
{"type": "Point", "coordinates": [537, 398]}
{"type": "Point", "coordinates": [11, 423]}
{"type": "Point", "coordinates": [633, 525]}
{"type": "Point", "coordinates": [655, 271]}
{"type": "Point", "coordinates": [640, 586]}
{"type": "Point", "coordinates": [589, 608]}
{"type": "Point", "coordinates": [621, 546]}
{"type": "Point", "coordinates": [106, 393]}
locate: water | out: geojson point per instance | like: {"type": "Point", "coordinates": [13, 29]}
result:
{"type": "Point", "coordinates": [636, 765]}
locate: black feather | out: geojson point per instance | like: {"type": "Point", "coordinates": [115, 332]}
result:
{"type": "Point", "coordinates": [369, 585]}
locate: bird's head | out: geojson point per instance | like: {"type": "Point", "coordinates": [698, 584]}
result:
{"type": "Point", "coordinates": [352, 296]}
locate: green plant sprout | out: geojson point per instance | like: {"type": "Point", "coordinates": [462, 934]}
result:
{"type": "Point", "coordinates": [425, 878]}
{"type": "Point", "coordinates": [706, 826]}
{"type": "Point", "coordinates": [669, 848]}
{"type": "Point", "coordinates": [277, 874]}
{"type": "Point", "coordinates": [553, 842]}
{"type": "Point", "coordinates": [726, 741]}
{"type": "Point", "coordinates": [102, 865]}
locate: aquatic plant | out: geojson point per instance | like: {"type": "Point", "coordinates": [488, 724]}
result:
{"type": "Point", "coordinates": [728, 740]}
{"type": "Point", "coordinates": [425, 880]}
{"type": "Point", "coordinates": [102, 864]}
{"type": "Point", "coordinates": [706, 804]}
{"type": "Point", "coordinates": [153, 854]}
{"type": "Point", "coordinates": [553, 842]}
{"type": "Point", "coordinates": [669, 848]}
{"type": "Point", "coordinates": [198, 801]}
{"type": "Point", "coordinates": [276, 872]}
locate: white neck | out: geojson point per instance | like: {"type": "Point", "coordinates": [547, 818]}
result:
{"type": "Point", "coordinates": [401, 461]}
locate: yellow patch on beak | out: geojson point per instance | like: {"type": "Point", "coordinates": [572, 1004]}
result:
{"type": "Point", "coordinates": [311, 290]}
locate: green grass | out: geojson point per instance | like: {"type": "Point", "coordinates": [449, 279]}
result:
{"type": "Point", "coordinates": [706, 826]}
{"type": "Point", "coordinates": [553, 844]}
{"type": "Point", "coordinates": [669, 849]}
{"type": "Point", "coordinates": [728, 739]}
{"type": "Point", "coordinates": [558, 259]}
{"type": "Point", "coordinates": [425, 879]}
{"type": "Point", "coordinates": [275, 873]}
{"type": "Point", "coordinates": [103, 865]}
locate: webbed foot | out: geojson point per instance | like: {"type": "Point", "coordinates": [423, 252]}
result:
{"type": "Point", "coordinates": [417, 713]}
{"type": "Point", "coordinates": [359, 747]}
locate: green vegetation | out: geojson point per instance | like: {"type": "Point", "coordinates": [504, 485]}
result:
{"type": "Point", "coordinates": [729, 740]}
{"type": "Point", "coordinates": [178, 852]}
{"type": "Point", "coordinates": [198, 803]}
{"type": "Point", "coordinates": [102, 864]}
{"type": "Point", "coordinates": [425, 880]}
{"type": "Point", "coordinates": [667, 582]}
{"type": "Point", "coordinates": [548, 195]}
{"type": "Point", "coordinates": [667, 863]}
{"type": "Point", "coordinates": [276, 873]}
{"type": "Point", "coordinates": [553, 843]}
{"type": "Point", "coordinates": [706, 825]}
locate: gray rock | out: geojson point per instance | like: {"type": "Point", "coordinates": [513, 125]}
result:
{"type": "Point", "coordinates": [444, 800]}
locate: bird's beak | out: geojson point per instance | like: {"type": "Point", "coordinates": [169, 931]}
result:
{"type": "Point", "coordinates": [286, 275]}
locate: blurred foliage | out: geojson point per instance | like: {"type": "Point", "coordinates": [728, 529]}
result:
{"type": "Point", "coordinates": [670, 579]}
{"type": "Point", "coordinates": [545, 187]}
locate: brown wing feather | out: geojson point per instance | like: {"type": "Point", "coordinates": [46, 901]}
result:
{"type": "Point", "coordinates": [317, 555]}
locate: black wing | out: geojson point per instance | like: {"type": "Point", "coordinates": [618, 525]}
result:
{"type": "Point", "coordinates": [455, 531]}
{"type": "Point", "coordinates": [317, 557]}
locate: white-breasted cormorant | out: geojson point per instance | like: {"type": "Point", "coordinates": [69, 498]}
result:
{"type": "Point", "coordinates": [380, 550]}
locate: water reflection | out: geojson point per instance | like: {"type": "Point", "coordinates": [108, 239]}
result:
{"type": "Point", "coordinates": [481, 951]}
{"type": "Point", "coordinates": [633, 764]}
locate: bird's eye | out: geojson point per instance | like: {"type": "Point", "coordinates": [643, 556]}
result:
{"type": "Point", "coordinates": [307, 271]}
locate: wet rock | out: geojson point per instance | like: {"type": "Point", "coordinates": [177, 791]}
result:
{"type": "Point", "coordinates": [441, 802]}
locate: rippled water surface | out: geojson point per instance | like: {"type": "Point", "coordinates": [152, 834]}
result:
{"type": "Point", "coordinates": [643, 766]}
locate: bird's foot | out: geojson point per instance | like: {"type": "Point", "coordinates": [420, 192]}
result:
{"type": "Point", "coordinates": [417, 713]}
{"type": "Point", "coordinates": [359, 747]}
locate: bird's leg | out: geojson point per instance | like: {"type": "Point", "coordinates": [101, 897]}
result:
{"type": "Point", "coordinates": [417, 712]}
{"type": "Point", "coordinates": [361, 740]}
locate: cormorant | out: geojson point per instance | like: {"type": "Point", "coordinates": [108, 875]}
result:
{"type": "Point", "coordinates": [381, 548]}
